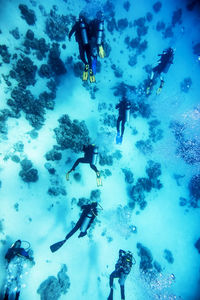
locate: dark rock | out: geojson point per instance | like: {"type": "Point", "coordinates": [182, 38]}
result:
{"type": "Point", "coordinates": [196, 49]}
{"type": "Point", "coordinates": [30, 34]}
{"type": "Point", "coordinates": [15, 33]}
{"type": "Point", "coordinates": [117, 71]}
{"type": "Point", "coordinates": [105, 159]}
{"type": "Point", "coordinates": [77, 176]}
{"type": "Point", "coordinates": [168, 256]}
{"type": "Point", "coordinates": [149, 17]}
{"type": "Point", "coordinates": [168, 32]}
{"type": "Point", "coordinates": [111, 25]}
{"type": "Point", "coordinates": [132, 60]}
{"type": "Point", "coordinates": [72, 135]}
{"type": "Point", "coordinates": [197, 245]}
{"type": "Point", "coordinates": [50, 169]}
{"type": "Point", "coordinates": [26, 164]}
{"type": "Point", "coordinates": [15, 158]}
{"type": "Point", "coordinates": [54, 60]}
{"type": "Point", "coordinates": [194, 187]}
{"type": "Point", "coordinates": [52, 86]}
{"type": "Point", "coordinates": [128, 176]}
{"type": "Point", "coordinates": [160, 26]}
{"type": "Point", "coordinates": [146, 258]}
{"type": "Point", "coordinates": [122, 24]}
{"type": "Point", "coordinates": [53, 155]}
{"type": "Point", "coordinates": [176, 18]}
{"type": "Point", "coordinates": [5, 54]}
{"type": "Point", "coordinates": [47, 100]}
{"type": "Point", "coordinates": [182, 201]}
{"type": "Point", "coordinates": [27, 14]}
{"type": "Point", "coordinates": [30, 175]}
{"type": "Point", "coordinates": [145, 147]}
{"type": "Point", "coordinates": [45, 71]}
{"type": "Point", "coordinates": [153, 170]}
{"type": "Point", "coordinates": [19, 147]}
{"type": "Point", "coordinates": [157, 6]}
{"type": "Point", "coordinates": [126, 5]}
{"type": "Point", "coordinates": [185, 85]}
{"type": "Point", "coordinates": [141, 28]}
{"type": "Point", "coordinates": [56, 191]}
{"type": "Point", "coordinates": [24, 72]}
{"type": "Point", "coordinates": [33, 134]}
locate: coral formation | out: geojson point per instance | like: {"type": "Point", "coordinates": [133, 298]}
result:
{"type": "Point", "coordinates": [27, 14]}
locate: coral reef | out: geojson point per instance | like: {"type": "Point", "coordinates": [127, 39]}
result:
{"type": "Point", "coordinates": [27, 14]}
{"type": "Point", "coordinates": [122, 24]}
{"type": "Point", "coordinates": [53, 154]}
{"type": "Point", "coordinates": [72, 135]}
{"type": "Point", "coordinates": [5, 54]}
{"type": "Point", "coordinates": [54, 61]}
{"type": "Point", "coordinates": [145, 147]}
{"type": "Point", "coordinates": [155, 134]}
{"type": "Point", "coordinates": [52, 288]}
{"type": "Point", "coordinates": [15, 33]}
{"type": "Point", "coordinates": [157, 6]}
{"type": "Point", "coordinates": [176, 18]}
{"type": "Point", "coordinates": [28, 174]}
{"type": "Point", "coordinates": [128, 176]}
{"type": "Point", "coordinates": [185, 85]}
{"type": "Point", "coordinates": [105, 159]}
{"type": "Point", "coordinates": [197, 245]}
{"type": "Point", "coordinates": [126, 5]}
{"type": "Point", "coordinates": [194, 189]}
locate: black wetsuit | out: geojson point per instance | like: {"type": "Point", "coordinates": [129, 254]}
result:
{"type": "Point", "coordinates": [165, 61]}
{"type": "Point", "coordinates": [87, 159]}
{"type": "Point", "coordinates": [84, 49]}
{"type": "Point", "coordinates": [87, 210]}
{"type": "Point", "coordinates": [122, 269]}
{"type": "Point", "coordinates": [122, 106]}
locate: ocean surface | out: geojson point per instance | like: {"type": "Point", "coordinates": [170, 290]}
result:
{"type": "Point", "coordinates": [149, 198]}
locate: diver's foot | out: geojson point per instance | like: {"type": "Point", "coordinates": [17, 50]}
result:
{"type": "Point", "coordinates": [110, 297]}
{"type": "Point", "coordinates": [118, 138]}
{"type": "Point", "coordinates": [67, 176]}
{"type": "Point", "coordinates": [85, 73]}
{"type": "Point", "coordinates": [99, 181]}
{"type": "Point", "coordinates": [92, 77]}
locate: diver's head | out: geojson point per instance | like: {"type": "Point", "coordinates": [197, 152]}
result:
{"type": "Point", "coordinates": [124, 98]}
{"type": "Point", "coordinates": [83, 16]}
{"type": "Point", "coordinates": [17, 244]}
{"type": "Point", "coordinates": [129, 256]}
{"type": "Point", "coordinates": [94, 204]}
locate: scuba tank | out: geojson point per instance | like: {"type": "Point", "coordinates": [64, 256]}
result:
{"type": "Point", "coordinates": [128, 108]}
{"type": "Point", "coordinates": [83, 32]}
{"type": "Point", "coordinates": [100, 30]}
{"type": "Point", "coordinates": [95, 155]}
{"type": "Point", "coordinates": [86, 222]}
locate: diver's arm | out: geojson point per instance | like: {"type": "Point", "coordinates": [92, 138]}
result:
{"type": "Point", "coordinates": [72, 31]}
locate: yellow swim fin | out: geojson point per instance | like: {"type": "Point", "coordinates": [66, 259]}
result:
{"type": "Point", "coordinates": [85, 73]}
{"type": "Point", "coordinates": [99, 181]}
{"type": "Point", "coordinates": [160, 87]}
{"type": "Point", "coordinates": [92, 77]}
{"type": "Point", "coordinates": [102, 53]}
{"type": "Point", "coordinates": [67, 176]}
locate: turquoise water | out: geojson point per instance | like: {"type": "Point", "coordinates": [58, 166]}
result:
{"type": "Point", "coordinates": [150, 201]}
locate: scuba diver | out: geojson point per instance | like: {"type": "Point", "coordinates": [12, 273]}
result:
{"type": "Point", "coordinates": [86, 219]}
{"type": "Point", "coordinates": [90, 157]}
{"type": "Point", "coordinates": [81, 30]}
{"type": "Point", "coordinates": [96, 37]}
{"type": "Point", "coordinates": [124, 107]}
{"type": "Point", "coordinates": [166, 59]}
{"type": "Point", "coordinates": [17, 258]}
{"type": "Point", "coordinates": [122, 269]}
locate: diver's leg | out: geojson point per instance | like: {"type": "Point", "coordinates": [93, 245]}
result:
{"type": "Point", "coordinates": [82, 53]}
{"type": "Point", "coordinates": [89, 55]}
{"type": "Point", "coordinates": [6, 295]}
{"type": "Point", "coordinates": [122, 127]}
{"type": "Point", "coordinates": [77, 162]}
{"type": "Point", "coordinates": [17, 295]}
{"type": "Point", "coordinates": [118, 123]}
{"type": "Point", "coordinates": [93, 167]}
{"type": "Point", "coordinates": [76, 227]}
{"type": "Point", "coordinates": [122, 292]}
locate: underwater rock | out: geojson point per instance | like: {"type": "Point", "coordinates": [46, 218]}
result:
{"type": "Point", "coordinates": [122, 24]}
{"type": "Point", "coordinates": [108, 9]}
{"type": "Point", "coordinates": [105, 159]}
{"type": "Point", "coordinates": [182, 201]}
{"type": "Point", "coordinates": [30, 34]}
{"type": "Point", "coordinates": [149, 17]}
{"type": "Point", "coordinates": [157, 266]}
{"type": "Point", "coordinates": [160, 26]}
{"type": "Point", "coordinates": [56, 191]}
{"type": "Point", "coordinates": [50, 169]}
{"type": "Point", "coordinates": [126, 5]}
{"type": "Point", "coordinates": [197, 245]}
{"type": "Point", "coordinates": [189, 150]}
{"type": "Point", "coordinates": [52, 86]}
{"type": "Point", "coordinates": [146, 258]}
{"type": "Point", "coordinates": [30, 175]}
{"type": "Point", "coordinates": [72, 135]}
{"type": "Point", "coordinates": [57, 26]}
{"type": "Point", "coordinates": [24, 72]}
{"type": "Point", "coordinates": [128, 176]}
{"type": "Point", "coordinates": [26, 164]}
{"type": "Point", "coordinates": [53, 155]}
{"type": "Point", "coordinates": [144, 109]}
{"type": "Point", "coordinates": [168, 256]}
{"type": "Point", "coordinates": [36, 44]}
{"type": "Point", "coordinates": [176, 18]}
{"type": "Point", "coordinates": [111, 25]}
{"type": "Point", "coordinates": [15, 33]}
{"type": "Point", "coordinates": [196, 49]}
{"type": "Point", "coordinates": [168, 33]}
{"type": "Point", "coordinates": [49, 289]}
{"type": "Point", "coordinates": [155, 134]}
{"type": "Point", "coordinates": [117, 71]}
{"type": "Point", "coordinates": [45, 71]}
{"type": "Point", "coordinates": [77, 176]}
{"type": "Point", "coordinates": [19, 147]}
{"type": "Point", "coordinates": [27, 14]}
{"type": "Point", "coordinates": [145, 147]}
{"type": "Point", "coordinates": [54, 60]}
{"type": "Point", "coordinates": [95, 195]}
{"type": "Point", "coordinates": [15, 158]}
{"type": "Point", "coordinates": [185, 85]}
{"type": "Point", "coordinates": [109, 120]}
{"type": "Point", "coordinates": [47, 100]}
{"type": "Point", "coordinates": [153, 170]}
{"type": "Point", "coordinates": [157, 6]}
{"type": "Point", "coordinates": [5, 54]}
{"type": "Point", "coordinates": [194, 187]}
{"type": "Point", "coordinates": [132, 60]}
{"type": "Point", "coordinates": [63, 279]}
{"type": "Point", "coordinates": [141, 28]}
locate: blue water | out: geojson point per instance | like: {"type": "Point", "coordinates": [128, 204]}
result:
{"type": "Point", "coordinates": [150, 193]}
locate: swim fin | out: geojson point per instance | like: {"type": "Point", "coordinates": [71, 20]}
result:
{"type": "Point", "coordinates": [118, 139]}
{"type": "Point", "coordinates": [160, 87]}
{"type": "Point", "coordinates": [92, 77]}
{"type": "Point", "coordinates": [67, 176]}
{"type": "Point", "coordinates": [149, 87]}
{"type": "Point", "coordinates": [99, 181]}
{"type": "Point", "coordinates": [102, 53]}
{"type": "Point", "coordinates": [85, 73]}
{"type": "Point", "coordinates": [94, 65]}
{"type": "Point", "coordinates": [57, 246]}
